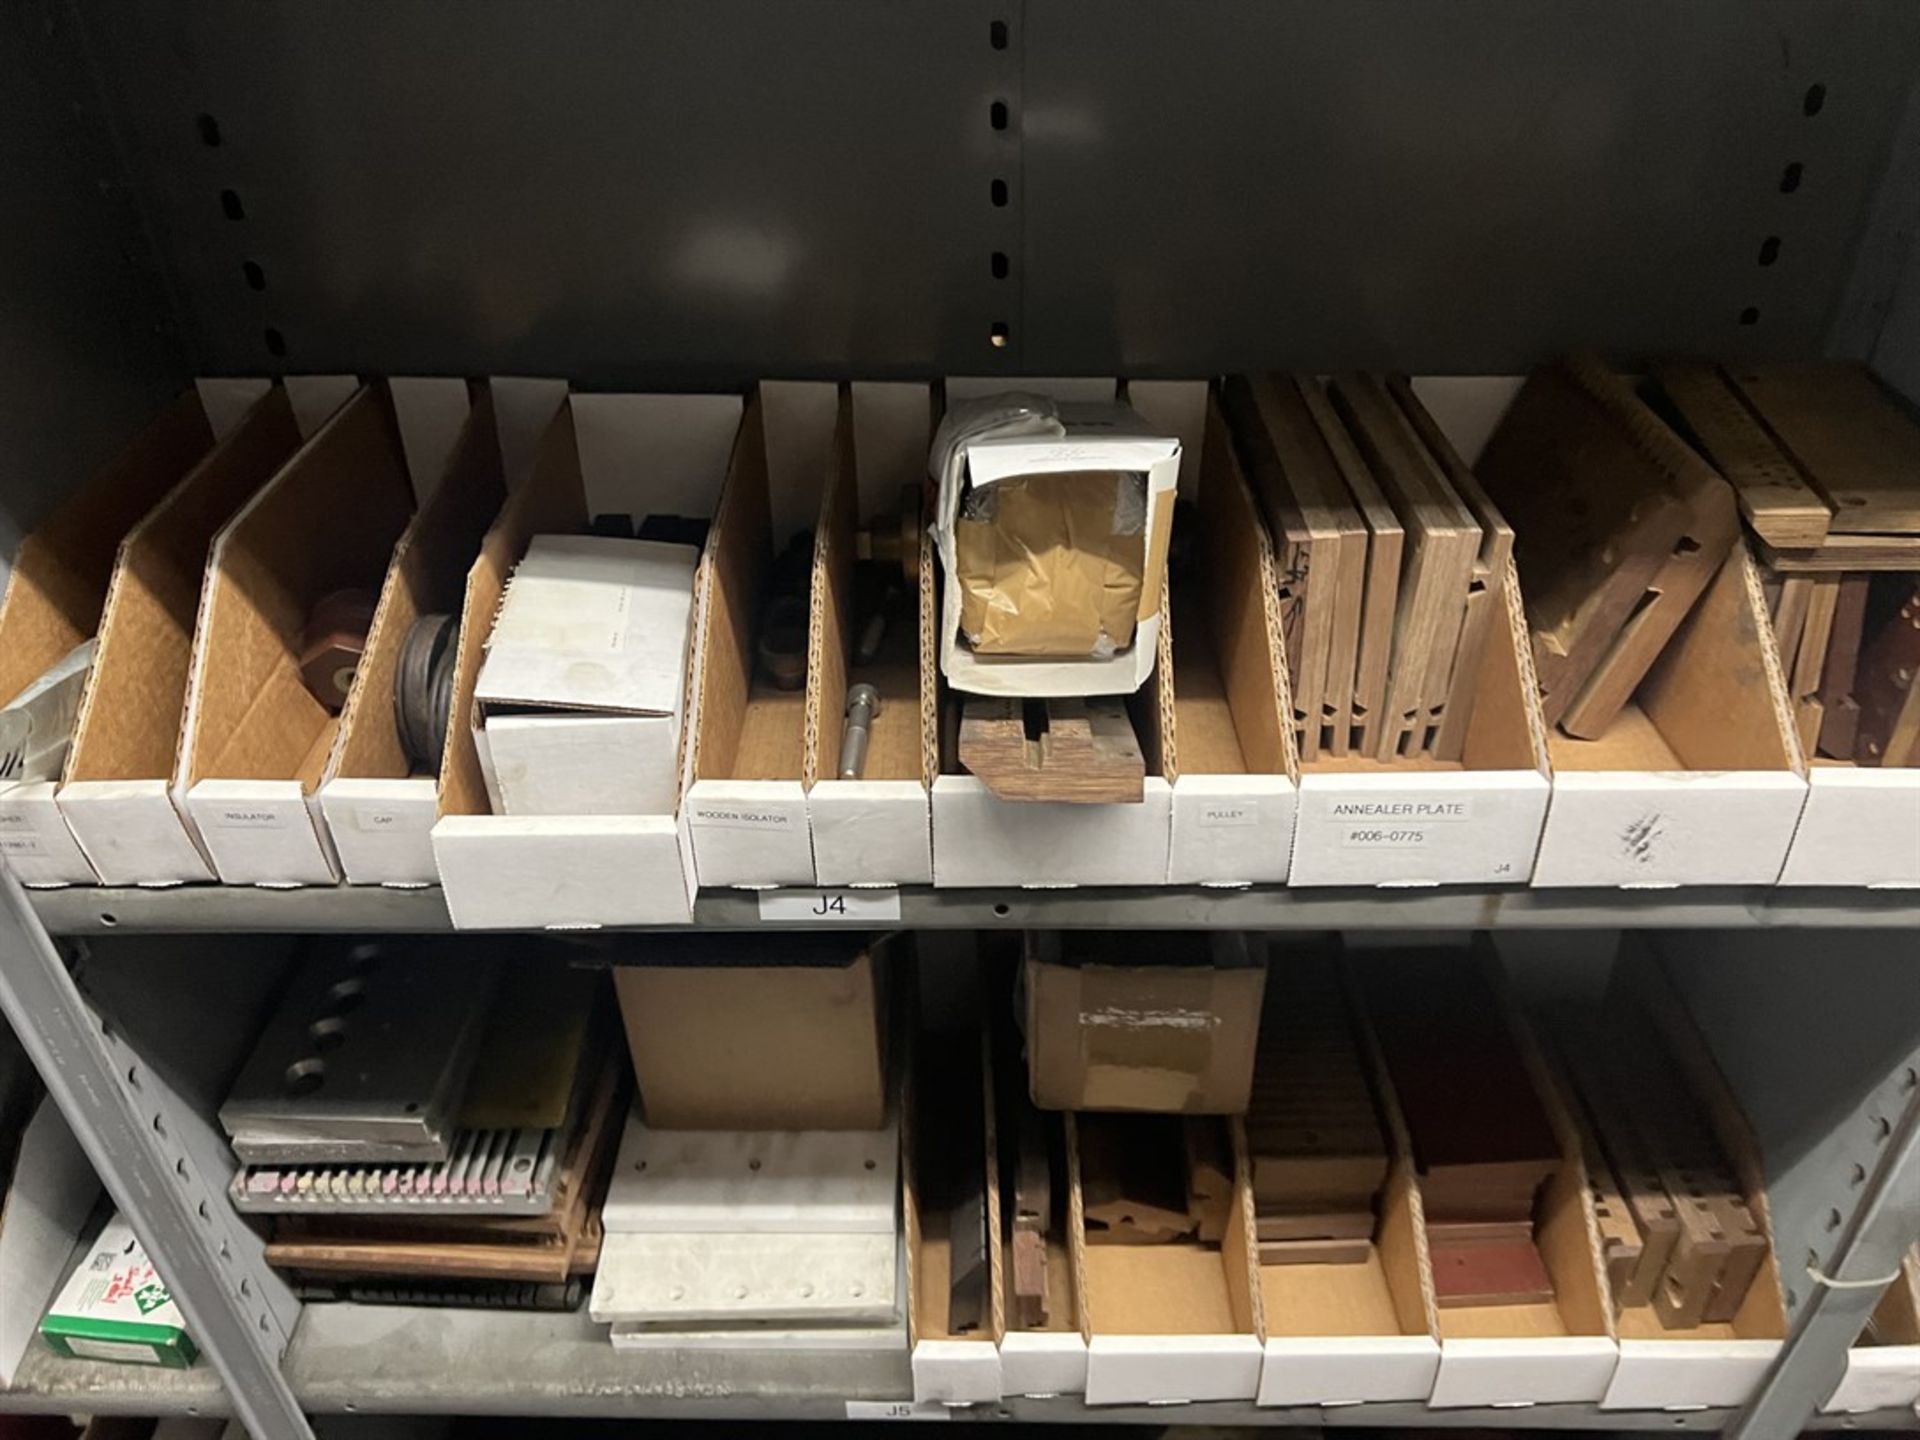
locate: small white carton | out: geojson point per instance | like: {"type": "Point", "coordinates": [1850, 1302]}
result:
{"type": "Point", "coordinates": [115, 1306]}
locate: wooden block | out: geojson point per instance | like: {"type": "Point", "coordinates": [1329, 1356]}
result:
{"type": "Point", "coordinates": [1810, 658]}
{"type": "Point", "coordinates": [1846, 552]}
{"type": "Point", "coordinates": [1379, 602]}
{"type": "Point", "coordinates": [1315, 1225]}
{"type": "Point", "coordinates": [1856, 444]}
{"type": "Point", "coordinates": [1779, 503]}
{"type": "Point", "coordinates": [1469, 1232]}
{"type": "Point", "coordinates": [1320, 541]}
{"type": "Point", "coordinates": [1315, 1252]}
{"type": "Point", "coordinates": [1028, 1254]}
{"type": "Point", "coordinates": [1790, 616]}
{"type": "Point", "coordinates": [1618, 527]}
{"type": "Point", "coordinates": [1078, 751]}
{"type": "Point", "coordinates": [1748, 1251]}
{"type": "Point", "coordinates": [1886, 688]}
{"type": "Point", "coordinates": [1484, 608]}
{"type": "Point", "coordinates": [1501, 1273]}
{"type": "Point", "coordinates": [1442, 543]}
{"type": "Point", "coordinates": [1839, 710]}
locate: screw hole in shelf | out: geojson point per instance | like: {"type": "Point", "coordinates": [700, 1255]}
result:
{"type": "Point", "coordinates": [1769, 249]}
{"type": "Point", "coordinates": [246, 1287]}
{"type": "Point", "coordinates": [133, 1077]}
{"type": "Point", "coordinates": [230, 205]}
{"type": "Point", "coordinates": [1881, 1129]}
{"type": "Point", "coordinates": [1791, 176]}
{"type": "Point", "coordinates": [109, 919]}
{"type": "Point", "coordinates": [1910, 1079]}
{"type": "Point", "coordinates": [180, 1167]}
{"type": "Point", "coordinates": [999, 191]}
{"type": "Point", "coordinates": [997, 34]}
{"type": "Point", "coordinates": [1750, 315]}
{"type": "Point", "coordinates": [206, 1215]}
{"type": "Point", "coordinates": [997, 114]}
{"type": "Point", "coordinates": [1001, 265]}
{"type": "Point", "coordinates": [1002, 910]}
{"type": "Point", "coordinates": [997, 335]}
{"type": "Point", "coordinates": [1833, 1219]}
{"type": "Point", "coordinates": [160, 1126]}
{"type": "Point", "coordinates": [276, 342]}
{"type": "Point", "coordinates": [1813, 101]}
{"type": "Point", "coordinates": [209, 129]}
{"type": "Point", "coordinates": [1857, 1177]}
{"type": "Point", "coordinates": [256, 277]}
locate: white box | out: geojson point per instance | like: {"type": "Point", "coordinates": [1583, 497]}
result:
{"type": "Point", "coordinates": [592, 639]}
{"type": "Point", "coordinates": [1364, 822]}
{"type": "Point", "coordinates": [1099, 436]}
{"type": "Point", "coordinates": [1234, 702]}
{"type": "Point", "coordinates": [1043, 1363]}
{"type": "Point", "coordinates": [567, 872]}
{"type": "Point", "coordinates": [1126, 1365]}
{"type": "Point", "coordinates": [379, 811]}
{"type": "Point", "coordinates": [34, 838]}
{"type": "Point", "coordinates": [980, 839]}
{"type": "Point", "coordinates": [255, 741]}
{"type": "Point", "coordinates": [1699, 780]}
{"type": "Point", "coordinates": [878, 829]}
{"type": "Point", "coordinates": [1861, 826]}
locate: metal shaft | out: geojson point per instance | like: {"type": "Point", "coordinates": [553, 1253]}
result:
{"type": "Point", "coordinates": [863, 703]}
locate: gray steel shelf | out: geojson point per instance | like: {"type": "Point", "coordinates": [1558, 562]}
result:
{"type": "Point", "coordinates": [99, 911]}
{"type": "Point", "coordinates": [47, 1384]}
{"type": "Point", "coordinates": [405, 1360]}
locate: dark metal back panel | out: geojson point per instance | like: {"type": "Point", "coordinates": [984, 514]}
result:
{"type": "Point", "coordinates": [605, 189]}
{"type": "Point", "coordinates": [1461, 186]}
{"type": "Point", "coordinates": [663, 191]}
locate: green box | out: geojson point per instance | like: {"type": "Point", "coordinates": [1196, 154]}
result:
{"type": "Point", "coordinates": [116, 1307]}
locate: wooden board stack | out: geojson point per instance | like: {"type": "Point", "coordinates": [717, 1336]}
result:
{"type": "Point", "coordinates": [1313, 1132]}
{"type": "Point", "coordinates": [1618, 527]}
{"type": "Point", "coordinates": [1482, 1141]}
{"type": "Point", "coordinates": [1826, 465]}
{"type": "Point", "coordinates": [1392, 561]}
{"type": "Point", "coordinates": [1698, 1245]}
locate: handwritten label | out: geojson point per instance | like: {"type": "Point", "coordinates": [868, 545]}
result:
{"type": "Point", "coordinates": [1224, 814]}
{"type": "Point", "coordinates": [742, 817]}
{"type": "Point", "coordinates": [23, 845]}
{"type": "Point", "coordinates": [251, 820]}
{"type": "Point", "coordinates": [828, 907]}
{"type": "Point", "coordinates": [896, 1410]}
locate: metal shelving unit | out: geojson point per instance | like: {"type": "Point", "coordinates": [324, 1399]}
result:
{"type": "Point", "coordinates": [693, 193]}
{"type": "Point", "coordinates": [367, 909]}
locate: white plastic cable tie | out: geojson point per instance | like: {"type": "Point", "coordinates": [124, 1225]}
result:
{"type": "Point", "coordinates": [1822, 1278]}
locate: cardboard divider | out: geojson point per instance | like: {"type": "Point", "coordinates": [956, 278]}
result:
{"type": "Point", "coordinates": [379, 812]}
{"type": "Point", "coordinates": [573, 872]}
{"type": "Point", "coordinates": [1048, 1359]}
{"type": "Point", "coordinates": [55, 592]}
{"type": "Point", "coordinates": [1883, 1367]}
{"type": "Point", "coordinates": [1561, 1350]}
{"type": "Point", "coordinates": [119, 797]}
{"type": "Point", "coordinates": [1699, 781]}
{"type": "Point", "coordinates": [1420, 821]}
{"type": "Point", "coordinates": [1233, 765]}
{"type": "Point", "coordinates": [747, 803]}
{"type": "Point", "coordinates": [1341, 1334]}
{"type": "Point", "coordinates": [1173, 1321]}
{"type": "Point", "coordinates": [1714, 1362]}
{"type": "Point", "coordinates": [947, 1368]}
{"type": "Point", "coordinates": [256, 740]}
{"type": "Point", "coordinates": [877, 829]}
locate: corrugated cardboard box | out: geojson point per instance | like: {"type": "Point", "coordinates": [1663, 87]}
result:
{"type": "Point", "coordinates": [1107, 1029]}
{"type": "Point", "coordinates": [55, 592]}
{"type": "Point", "coordinates": [120, 798]}
{"type": "Point", "coordinates": [256, 739]}
{"type": "Point", "coordinates": [727, 1034]}
{"type": "Point", "coordinates": [600, 454]}
{"type": "Point", "coordinates": [380, 813]}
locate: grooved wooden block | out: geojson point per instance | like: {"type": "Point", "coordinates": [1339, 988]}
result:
{"type": "Point", "coordinates": [1078, 752]}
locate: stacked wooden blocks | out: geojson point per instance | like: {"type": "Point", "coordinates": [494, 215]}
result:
{"type": "Point", "coordinates": [1392, 561]}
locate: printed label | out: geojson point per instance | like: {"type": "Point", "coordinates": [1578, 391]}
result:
{"type": "Point", "coordinates": [237, 818]}
{"type": "Point", "coordinates": [1404, 812]}
{"type": "Point", "coordinates": [1225, 814]}
{"type": "Point", "coordinates": [1386, 837]}
{"type": "Point", "coordinates": [742, 817]}
{"type": "Point", "coordinates": [896, 1410]}
{"type": "Point", "coordinates": [23, 845]}
{"type": "Point", "coordinates": [377, 822]}
{"type": "Point", "coordinates": [13, 820]}
{"type": "Point", "coordinates": [830, 906]}
{"type": "Point", "coordinates": [564, 617]}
